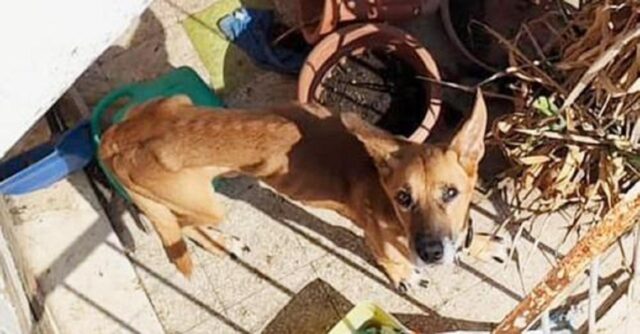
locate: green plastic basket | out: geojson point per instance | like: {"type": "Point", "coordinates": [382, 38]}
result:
{"type": "Point", "coordinates": [182, 80]}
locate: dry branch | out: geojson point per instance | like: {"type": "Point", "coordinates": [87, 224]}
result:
{"type": "Point", "coordinates": [616, 222]}
{"type": "Point", "coordinates": [575, 135]}
{"type": "Point", "coordinates": [597, 66]}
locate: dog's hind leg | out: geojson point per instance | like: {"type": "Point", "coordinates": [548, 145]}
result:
{"type": "Point", "coordinates": [215, 242]}
{"type": "Point", "coordinates": [168, 228]}
{"type": "Point", "coordinates": [199, 211]}
{"type": "Point", "coordinates": [211, 239]}
{"type": "Point", "coordinates": [212, 244]}
{"type": "Point", "coordinates": [189, 193]}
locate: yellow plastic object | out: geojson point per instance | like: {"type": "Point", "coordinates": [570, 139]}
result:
{"type": "Point", "coordinates": [364, 313]}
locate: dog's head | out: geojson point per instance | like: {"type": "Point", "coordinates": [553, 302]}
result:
{"type": "Point", "coordinates": [430, 186]}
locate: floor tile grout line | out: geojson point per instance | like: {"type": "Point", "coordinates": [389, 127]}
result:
{"type": "Point", "coordinates": [211, 286]}
{"type": "Point", "coordinates": [147, 294]}
{"type": "Point", "coordinates": [236, 303]}
{"type": "Point", "coordinates": [175, 13]}
{"type": "Point", "coordinates": [215, 313]}
{"type": "Point", "coordinates": [462, 292]}
{"type": "Point", "coordinates": [216, 293]}
{"type": "Point", "coordinates": [310, 263]}
{"type": "Point", "coordinates": [324, 291]}
{"type": "Point", "coordinates": [203, 321]}
{"type": "Point", "coordinates": [300, 240]}
{"type": "Point", "coordinates": [142, 312]}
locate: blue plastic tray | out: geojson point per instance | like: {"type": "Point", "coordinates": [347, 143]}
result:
{"type": "Point", "coordinates": [48, 163]}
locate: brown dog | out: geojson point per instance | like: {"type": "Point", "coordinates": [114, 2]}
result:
{"type": "Point", "coordinates": [411, 200]}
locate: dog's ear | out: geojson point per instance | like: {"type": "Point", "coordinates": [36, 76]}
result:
{"type": "Point", "coordinates": [469, 141]}
{"type": "Point", "coordinates": [380, 145]}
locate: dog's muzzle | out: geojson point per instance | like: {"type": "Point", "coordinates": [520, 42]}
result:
{"type": "Point", "coordinates": [435, 250]}
{"type": "Point", "coordinates": [432, 250]}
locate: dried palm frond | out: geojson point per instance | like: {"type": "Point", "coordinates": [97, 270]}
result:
{"type": "Point", "coordinates": [575, 139]}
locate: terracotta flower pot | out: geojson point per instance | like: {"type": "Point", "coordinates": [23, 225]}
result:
{"type": "Point", "coordinates": [355, 39]}
{"type": "Point", "coordinates": [320, 17]}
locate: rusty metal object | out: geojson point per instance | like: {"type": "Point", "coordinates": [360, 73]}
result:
{"type": "Point", "coordinates": [617, 222]}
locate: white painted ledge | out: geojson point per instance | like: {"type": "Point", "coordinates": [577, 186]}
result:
{"type": "Point", "coordinates": [46, 45]}
{"type": "Point", "coordinates": [9, 322]}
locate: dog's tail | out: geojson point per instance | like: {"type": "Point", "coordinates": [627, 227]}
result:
{"type": "Point", "coordinates": [179, 255]}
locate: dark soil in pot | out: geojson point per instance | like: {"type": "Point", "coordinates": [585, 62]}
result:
{"type": "Point", "coordinates": [378, 86]}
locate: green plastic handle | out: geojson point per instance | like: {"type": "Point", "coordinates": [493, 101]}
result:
{"type": "Point", "coordinates": [127, 91]}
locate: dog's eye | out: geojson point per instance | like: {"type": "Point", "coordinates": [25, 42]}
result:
{"type": "Point", "coordinates": [449, 194]}
{"type": "Point", "coordinates": [403, 197]}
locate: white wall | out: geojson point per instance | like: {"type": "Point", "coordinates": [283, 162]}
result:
{"type": "Point", "coordinates": [9, 322]}
{"type": "Point", "coordinates": [45, 46]}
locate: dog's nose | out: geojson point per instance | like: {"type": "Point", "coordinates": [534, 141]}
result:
{"type": "Point", "coordinates": [429, 249]}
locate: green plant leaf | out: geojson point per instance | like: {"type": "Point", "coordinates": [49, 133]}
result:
{"type": "Point", "coordinates": [546, 106]}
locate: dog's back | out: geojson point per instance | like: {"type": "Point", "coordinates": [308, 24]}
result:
{"type": "Point", "coordinates": [183, 136]}
{"type": "Point", "coordinates": [327, 164]}
{"type": "Point", "coordinates": [290, 142]}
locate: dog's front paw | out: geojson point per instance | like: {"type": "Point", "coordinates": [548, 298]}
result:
{"type": "Point", "coordinates": [403, 287]}
{"type": "Point", "coordinates": [488, 247]}
{"type": "Point", "coordinates": [416, 279]}
{"type": "Point", "coordinates": [236, 247]}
